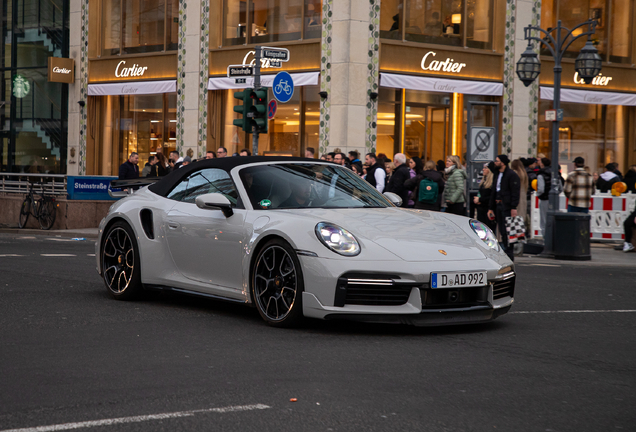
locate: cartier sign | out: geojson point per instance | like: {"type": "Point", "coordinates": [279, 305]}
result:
{"type": "Point", "coordinates": [122, 71]}
{"type": "Point", "coordinates": [61, 70]}
{"type": "Point", "coordinates": [599, 80]}
{"type": "Point", "coordinates": [448, 65]}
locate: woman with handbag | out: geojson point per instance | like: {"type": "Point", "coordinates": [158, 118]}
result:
{"type": "Point", "coordinates": [482, 200]}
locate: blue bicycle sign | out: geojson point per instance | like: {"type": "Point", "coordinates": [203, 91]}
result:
{"type": "Point", "coordinates": [283, 87]}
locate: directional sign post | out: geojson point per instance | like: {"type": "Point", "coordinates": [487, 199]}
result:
{"type": "Point", "coordinates": [240, 71]}
{"type": "Point", "coordinates": [275, 54]}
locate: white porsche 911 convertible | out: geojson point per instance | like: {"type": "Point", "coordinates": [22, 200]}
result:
{"type": "Point", "coordinates": [300, 238]}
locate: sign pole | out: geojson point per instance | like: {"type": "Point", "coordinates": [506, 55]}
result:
{"type": "Point", "coordinates": [257, 85]}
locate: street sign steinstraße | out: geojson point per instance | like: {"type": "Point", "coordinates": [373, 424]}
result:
{"type": "Point", "coordinates": [240, 71]}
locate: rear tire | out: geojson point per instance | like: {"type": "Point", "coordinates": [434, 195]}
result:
{"type": "Point", "coordinates": [277, 284]}
{"type": "Point", "coordinates": [120, 262]}
{"type": "Point", "coordinates": [25, 210]}
{"type": "Point", "coordinates": [46, 213]}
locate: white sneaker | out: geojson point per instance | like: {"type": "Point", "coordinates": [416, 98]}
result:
{"type": "Point", "coordinates": [628, 247]}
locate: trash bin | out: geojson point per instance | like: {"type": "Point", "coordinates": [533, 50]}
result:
{"type": "Point", "coordinates": [572, 236]}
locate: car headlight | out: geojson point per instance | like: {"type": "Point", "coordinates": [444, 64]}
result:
{"type": "Point", "coordinates": [337, 239]}
{"type": "Point", "coordinates": [485, 234]}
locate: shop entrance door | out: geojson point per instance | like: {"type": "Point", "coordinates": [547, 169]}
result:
{"type": "Point", "coordinates": [426, 131]}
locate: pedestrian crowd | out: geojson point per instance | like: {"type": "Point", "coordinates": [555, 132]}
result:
{"type": "Point", "coordinates": [504, 191]}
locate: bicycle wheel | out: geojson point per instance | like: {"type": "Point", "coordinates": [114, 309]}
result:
{"type": "Point", "coordinates": [46, 213]}
{"type": "Point", "coordinates": [25, 210]}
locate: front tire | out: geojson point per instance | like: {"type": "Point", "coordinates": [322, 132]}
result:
{"type": "Point", "coordinates": [25, 210]}
{"type": "Point", "coordinates": [120, 262]}
{"type": "Point", "coordinates": [277, 284]}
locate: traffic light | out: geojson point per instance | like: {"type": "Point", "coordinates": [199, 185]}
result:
{"type": "Point", "coordinates": [258, 109]}
{"type": "Point", "coordinates": [244, 109]}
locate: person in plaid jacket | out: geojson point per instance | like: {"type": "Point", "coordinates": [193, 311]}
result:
{"type": "Point", "coordinates": [579, 188]}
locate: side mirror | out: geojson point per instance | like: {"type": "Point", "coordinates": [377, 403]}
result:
{"type": "Point", "coordinates": [215, 201]}
{"type": "Point", "coordinates": [394, 198]}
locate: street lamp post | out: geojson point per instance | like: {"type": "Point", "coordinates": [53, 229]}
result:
{"type": "Point", "coordinates": [587, 64]}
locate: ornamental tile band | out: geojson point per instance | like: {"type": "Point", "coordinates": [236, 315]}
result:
{"type": "Point", "coordinates": [83, 89]}
{"type": "Point", "coordinates": [509, 77]}
{"type": "Point", "coordinates": [181, 62]}
{"type": "Point", "coordinates": [325, 74]}
{"type": "Point", "coordinates": [371, 129]}
{"type": "Point", "coordinates": [533, 110]}
{"type": "Point", "coordinates": [204, 54]}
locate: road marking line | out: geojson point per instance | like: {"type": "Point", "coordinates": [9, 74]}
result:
{"type": "Point", "coordinates": [26, 238]}
{"type": "Point", "coordinates": [10, 255]}
{"type": "Point", "coordinates": [60, 239]}
{"type": "Point", "coordinates": [90, 254]}
{"type": "Point", "coordinates": [572, 311]}
{"type": "Point", "coordinates": [58, 255]}
{"type": "Point", "coordinates": [543, 265]}
{"type": "Point", "coordinates": [137, 419]}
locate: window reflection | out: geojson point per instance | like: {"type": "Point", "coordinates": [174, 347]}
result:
{"type": "Point", "coordinates": [441, 22]}
{"type": "Point", "coordinates": [260, 21]}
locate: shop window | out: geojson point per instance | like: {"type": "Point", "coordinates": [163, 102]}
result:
{"type": "Point", "coordinates": [443, 22]}
{"type": "Point", "coordinates": [613, 34]}
{"type": "Point", "coordinates": [261, 21]}
{"type": "Point", "coordinates": [139, 26]}
{"type": "Point", "coordinates": [294, 127]}
{"type": "Point", "coordinates": [598, 133]}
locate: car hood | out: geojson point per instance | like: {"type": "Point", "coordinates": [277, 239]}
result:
{"type": "Point", "coordinates": [412, 235]}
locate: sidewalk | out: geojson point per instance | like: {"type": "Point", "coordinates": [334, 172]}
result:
{"type": "Point", "coordinates": [88, 233]}
{"type": "Point", "coordinates": [603, 255]}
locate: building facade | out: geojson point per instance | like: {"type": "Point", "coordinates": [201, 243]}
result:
{"type": "Point", "coordinates": [386, 76]}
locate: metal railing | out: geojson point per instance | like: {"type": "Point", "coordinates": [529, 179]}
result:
{"type": "Point", "coordinates": [18, 183]}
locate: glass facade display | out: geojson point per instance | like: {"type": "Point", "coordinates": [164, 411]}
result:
{"type": "Point", "coordinates": [121, 125]}
{"type": "Point", "coordinates": [598, 133]}
{"type": "Point", "coordinates": [442, 22]}
{"type": "Point", "coordinates": [294, 127]}
{"type": "Point", "coordinates": [139, 26]}
{"type": "Point", "coordinates": [34, 112]}
{"type": "Point", "coordinates": [614, 35]}
{"type": "Point", "coordinates": [260, 21]}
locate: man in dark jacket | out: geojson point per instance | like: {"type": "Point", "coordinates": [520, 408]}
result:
{"type": "Point", "coordinates": [504, 199]}
{"type": "Point", "coordinates": [129, 169]}
{"type": "Point", "coordinates": [607, 179]}
{"type": "Point", "coordinates": [376, 173]}
{"type": "Point", "coordinates": [401, 174]}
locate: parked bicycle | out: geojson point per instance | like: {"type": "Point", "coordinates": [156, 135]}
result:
{"type": "Point", "coordinates": [43, 209]}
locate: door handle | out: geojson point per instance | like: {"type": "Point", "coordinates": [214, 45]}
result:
{"type": "Point", "coordinates": [173, 225]}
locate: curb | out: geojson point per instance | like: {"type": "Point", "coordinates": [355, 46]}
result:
{"type": "Point", "coordinates": [51, 233]}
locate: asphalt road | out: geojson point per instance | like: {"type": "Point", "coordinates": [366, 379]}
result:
{"type": "Point", "coordinates": [562, 360]}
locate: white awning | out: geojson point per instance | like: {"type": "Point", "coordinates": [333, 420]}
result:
{"type": "Point", "coordinates": [300, 79]}
{"type": "Point", "coordinates": [132, 88]}
{"type": "Point", "coordinates": [590, 97]}
{"type": "Point", "coordinates": [441, 85]}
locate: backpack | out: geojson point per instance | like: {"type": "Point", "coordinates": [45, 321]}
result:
{"type": "Point", "coordinates": [428, 191]}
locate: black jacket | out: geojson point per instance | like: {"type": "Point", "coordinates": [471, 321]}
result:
{"type": "Point", "coordinates": [484, 197]}
{"type": "Point", "coordinates": [509, 193]}
{"type": "Point", "coordinates": [630, 181]}
{"type": "Point", "coordinates": [414, 185]}
{"type": "Point", "coordinates": [396, 183]}
{"type": "Point", "coordinates": [606, 185]}
{"type": "Point", "coordinates": [128, 170]}
{"type": "Point", "coordinates": [371, 174]}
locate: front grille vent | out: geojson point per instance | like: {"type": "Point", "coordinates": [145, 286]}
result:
{"type": "Point", "coordinates": [504, 288]}
{"type": "Point", "coordinates": [368, 291]}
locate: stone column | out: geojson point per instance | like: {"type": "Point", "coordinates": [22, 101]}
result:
{"type": "Point", "coordinates": [526, 99]}
{"type": "Point", "coordinates": [344, 75]}
{"type": "Point", "coordinates": [193, 25]}
{"type": "Point", "coordinates": [78, 51]}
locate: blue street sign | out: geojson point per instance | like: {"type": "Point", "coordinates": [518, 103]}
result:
{"type": "Point", "coordinates": [88, 188]}
{"type": "Point", "coordinates": [283, 87]}
{"type": "Point", "coordinates": [271, 109]}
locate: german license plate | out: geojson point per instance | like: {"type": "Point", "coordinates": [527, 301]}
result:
{"type": "Point", "coordinates": [458, 279]}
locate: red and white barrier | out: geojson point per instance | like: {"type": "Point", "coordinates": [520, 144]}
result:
{"type": "Point", "coordinates": [607, 215]}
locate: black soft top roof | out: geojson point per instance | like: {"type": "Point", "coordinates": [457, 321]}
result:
{"type": "Point", "coordinates": [166, 184]}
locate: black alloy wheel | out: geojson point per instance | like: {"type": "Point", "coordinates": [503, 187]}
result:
{"type": "Point", "coordinates": [25, 210]}
{"type": "Point", "coordinates": [120, 262]}
{"type": "Point", "coordinates": [46, 213]}
{"type": "Point", "coordinates": [277, 284]}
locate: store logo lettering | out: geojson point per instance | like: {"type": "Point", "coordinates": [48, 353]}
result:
{"type": "Point", "coordinates": [448, 65]}
{"type": "Point", "coordinates": [61, 70]}
{"type": "Point", "coordinates": [265, 63]}
{"type": "Point", "coordinates": [133, 71]}
{"type": "Point", "coordinates": [129, 90]}
{"type": "Point", "coordinates": [444, 87]}
{"type": "Point", "coordinates": [594, 99]}
{"type": "Point", "coordinates": [599, 80]}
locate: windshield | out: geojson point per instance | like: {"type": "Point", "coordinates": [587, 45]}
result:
{"type": "Point", "coordinates": [306, 185]}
